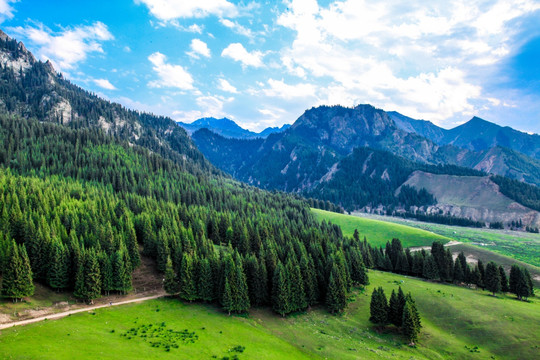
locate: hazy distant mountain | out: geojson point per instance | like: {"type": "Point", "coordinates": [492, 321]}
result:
{"type": "Point", "coordinates": [228, 128]}
{"type": "Point", "coordinates": [476, 134]}
{"type": "Point", "coordinates": [355, 156]}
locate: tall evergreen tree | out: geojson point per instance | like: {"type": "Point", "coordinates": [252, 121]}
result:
{"type": "Point", "coordinates": [205, 283]}
{"type": "Point", "coordinates": [378, 307]}
{"type": "Point", "coordinates": [188, 289]}
{"type": "Point", "coordinates": [281, 291]}
{"type": "Point", "coordinates": [493, 278]}
{"type": "Point", "coordinates": [430, 270]}
{"type": "Point", "coordinates": [411, 322]}
{"type": "Point", "coordinates": [17, 275]}
{"type": "Point", "coordinates": [336, 296]}
{"type": "Point", "coordinates": [58, 275]}
{"type": "Point", "coordinates": [170, 282]}
{"type": "Point", "coordinates": [504, 280]}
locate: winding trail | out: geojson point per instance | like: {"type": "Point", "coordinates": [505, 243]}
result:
{"type": "Point", "coordinates": [66, 313]}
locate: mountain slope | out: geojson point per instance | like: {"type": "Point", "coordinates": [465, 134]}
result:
{"type": "Point", "coordinates": [228, 128]}
{"type": "Point", "coordinates": [472, 197]}
{"type": "Point", "coordinates": [476, 134]}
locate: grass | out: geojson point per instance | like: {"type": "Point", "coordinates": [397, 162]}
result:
{"type": "Point", "coordinates": [379, 232]}
{"type": "Point", "coordinates": [459, 323]}
{"type": "Point", "coordinates": [517, 244]}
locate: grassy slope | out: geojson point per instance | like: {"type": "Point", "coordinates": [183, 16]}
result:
{"type": "Point", "coordinates": [379, 232]}
{"type": "Point", "coordinates": [453, 318]}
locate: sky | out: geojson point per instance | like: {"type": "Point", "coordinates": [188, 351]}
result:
{"type": "Point", "coordinates": [263, 63]}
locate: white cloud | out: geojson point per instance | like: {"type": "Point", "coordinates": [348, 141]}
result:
{"type": "Point", "coordinates": [237, 28]}
{"type": "Point", "coordinates": [169, 75]}
{"type": "Point", "coordinates": [104, 83]}
{"type": "Point", "coordinates": [224, 85]}
{"type": "Point", "coordinates": [279, 89]}
{"type": "Point", "coordinates": [69, 47]}
{"type": "Point", "coordinates": [237, 52]}
{"type": "Point", "coordinates": [424, 58]}
{"type": "Point", "coordinates": [6, 10]}
{"type": "Point", "coordinates": [198, 47]}
{"type": "Point", "coordinates": [209, 106]}
{"type": "Point", "coordinates": [167, 10]}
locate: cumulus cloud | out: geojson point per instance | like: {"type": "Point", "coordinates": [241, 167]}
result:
{"type": "Point", "coordinates": [68, 47]}
{"type": "Point", "coordinates": [224, 85]}
{"type": "Point", "coordinates": [279, 89]}
{"type": "Point", "coordinates": [169, 75]}
{"type": "Point", "coordinates": [198, 48]}
{"type": "Point", "coordinates": [6, 10]}
{"type": "Point", "coordinates": [423, 58]}
{"type": "Point", "coordinates": [209, 106]}
{"type": "Point", "coordinates": [104, 83]}
{"type": "Point", "coordinates": [237, 28]}
{"type": "Point", "coordinates": [167, 10]}
{"type": "Point", "coordinates": [238, 52]}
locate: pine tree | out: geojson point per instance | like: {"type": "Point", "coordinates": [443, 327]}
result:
{"type": "Point", "coordinates": [227, 300]}
{"type": "Point", "coordinates": [107, 281]}
{"type": "Point", "coordinates": [170, 283]}
{"type": "Point", "coordinates": [336, 296]}
{"type": "Point", "coordinates": [378, 307]}
{"type": "Point", "coordinates": [17, 275]}
{"type": "Point", "coordinates": [520, 282]}
{"type": "Point", "coordinates": [493, 278]}
{"type": "Point", "coordinates": [394, 310]}
{"type": "Point", "coordinates": [121, 275]}
{"type": "Point", "coordinates": [504, 280]}
{"type": "Point", "coordinates": [281, 291]}
{"type": "Point", "coordinates": [430, 268]}
{"type": "Point", "coordinates": [88, 279]}
{"type": "Point", "coordinates": [58, 275]}
{"type": "Point", "coordinates": [188, 290]}
{"type": "Point", "coordinates": [411, 322]}
{"type": "Point", "coordinates": [206, 282]}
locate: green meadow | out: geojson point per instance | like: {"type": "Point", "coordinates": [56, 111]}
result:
{"type": "Point", "coordinates": [379, 232]}
{"type": "Point", "coordinates": [459, 323]}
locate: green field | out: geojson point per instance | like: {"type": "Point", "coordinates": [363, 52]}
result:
{"type": "Point", "coordinates": [379, 232]}
{"type": "Point", "coordinates": [455, 320]}
{"type": "Point", "coordinates": [517, 244]}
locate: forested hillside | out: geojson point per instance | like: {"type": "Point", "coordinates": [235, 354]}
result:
{"type": "Point", "coordinates": [82, 191]}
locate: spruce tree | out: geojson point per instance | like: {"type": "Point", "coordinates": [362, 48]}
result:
{"type": "Point", "coordinates": [504, 280]}
{"type": "Point", "coordinates": [170, 283]}
{"type": "Point", "coordinates": [206, 282]}
{"type": "Point", "coordinates": [188, 290]}
{"type": "Point", "coordinates": [58, 274]}
{"type": "Point", "coordinates": [394, 310]}
{"type": "Point", "coordinates": [281, 291]}
{"type": "Point", "coordinates": [492, 278]}
{"type": "Point", "coordinates": [378, 307]}
{"type": "Point", "coordinates": [227, 299]}
{"type": "Point", "coordinates": [298, 295]}
{"type": "Point", "coordinates": [336, 296]}
{"type": "Point", "coordinates": [17, 276]}
{"type": "Point", "coordinates": [411, 323]}
{"type": "Point", "coordinates": [430, 268]}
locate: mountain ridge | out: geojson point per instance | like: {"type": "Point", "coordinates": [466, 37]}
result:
{"type": "Point", "coordinates": [228, 128]}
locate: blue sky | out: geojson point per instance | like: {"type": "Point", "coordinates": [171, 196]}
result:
{"type": "Point", "coordinates": [263, 63]}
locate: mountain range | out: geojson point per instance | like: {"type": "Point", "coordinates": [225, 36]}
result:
{"type": "Point", "coordinates": [228, 128]}
{"type": "Point", "coordinates": [354, 157]}
{"type": "Point", "coordinates": [357, 156]}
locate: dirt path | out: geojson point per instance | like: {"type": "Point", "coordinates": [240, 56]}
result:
{"type": "Point", "coordinates": [66, 313]}
{"type": "Point", "coordinates": [419, 248]}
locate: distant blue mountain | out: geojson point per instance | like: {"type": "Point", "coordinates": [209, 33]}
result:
{"type": "Point", "coordinates": [228, 128]}
{"type": "Point", "coordinates": [476, 134]}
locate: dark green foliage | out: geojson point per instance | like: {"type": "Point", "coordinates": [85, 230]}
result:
{"type": "Point", "coordinates": [378, 307]}
{"type": "Point", "coordinates": [520, 282]}
{"type": "Point", "coordinates": [492, 278]}
{"type": "Point", "coordinates": [88, 278]}
{"type": "Point", "coordinates": [523, 193]}
{"type": "Point", "coordinates": [336, 296]}
{"type": "Point", "coordinates": [188, 288]}
{"type": "Point", "coordinates": [205, 282]}
{"type": "Point", "coordinates": [170, 282]}
{"type": "Point", "coordinates": [58, 275]}
{"type": "Point", "coordinates": [411, 321]}
{"type": "Point", "coordinates": [281, 291]}
{"type": "Point", "coordinates": [504, 280]}
{"type": "Point", "coordinates": [430, 269]}
{"type": "Point", "coordinates": [17, 274]}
